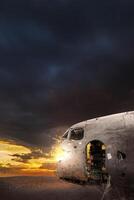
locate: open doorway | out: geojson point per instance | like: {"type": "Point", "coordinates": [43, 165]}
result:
{"type": "Point", "coordinates": [95, 158]}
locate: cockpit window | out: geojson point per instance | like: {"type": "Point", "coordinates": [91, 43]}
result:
{"type": "Point", "coordinates": [65, 135]}
{"type": "Point", "coordinates": [77, 134]}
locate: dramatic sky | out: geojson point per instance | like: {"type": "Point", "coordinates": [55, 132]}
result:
{"type": "Point", "coordinates": [61, 62]}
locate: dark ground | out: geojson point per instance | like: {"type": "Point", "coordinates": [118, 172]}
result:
{"type": "Point", "coordinates": [41, 188]}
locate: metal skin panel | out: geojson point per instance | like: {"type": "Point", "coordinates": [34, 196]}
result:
{"type": "Point", "coordinates": [72, 165]}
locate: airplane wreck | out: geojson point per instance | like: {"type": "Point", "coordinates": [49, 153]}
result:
{"type": "Point", "coordinates": [100, 151]}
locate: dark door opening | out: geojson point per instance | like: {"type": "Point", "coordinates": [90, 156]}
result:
{"type": "Point", "coordinates": [96, 156]}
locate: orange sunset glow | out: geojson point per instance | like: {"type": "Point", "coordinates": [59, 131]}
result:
{"type": "Point", "coordinates": [17, 159]}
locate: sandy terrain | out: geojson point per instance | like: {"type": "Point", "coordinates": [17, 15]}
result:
{"type": "Point", "coordinates": [41, 188]}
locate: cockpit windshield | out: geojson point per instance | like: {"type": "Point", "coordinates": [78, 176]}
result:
{"type": "Point", "coordinates": [65, 136]}
{"type": "Point", "coordinates": [77, 134]}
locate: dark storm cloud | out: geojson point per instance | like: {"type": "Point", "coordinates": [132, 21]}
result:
{"type": "Point", "coordinates": [27, 156]}
{"type": "Point", "coordinates": [63, 62]}
{"type": "Point", "coordinates": [24, 158]}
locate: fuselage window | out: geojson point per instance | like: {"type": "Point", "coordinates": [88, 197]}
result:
{"type": "Point", "coordinates": [121, 155]}
{"type": "Point", "coordinates": [77, 134]}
